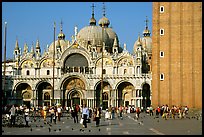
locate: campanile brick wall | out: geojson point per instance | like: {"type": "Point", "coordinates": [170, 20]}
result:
{"type": "Point", "coordinates": [182, 47]}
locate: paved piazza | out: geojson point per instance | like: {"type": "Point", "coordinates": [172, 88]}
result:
{"type": "Point", "coordinates": [146, 125]}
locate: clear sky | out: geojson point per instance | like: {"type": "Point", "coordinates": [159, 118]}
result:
{"type": "Point", "coordinates": [29, 21]}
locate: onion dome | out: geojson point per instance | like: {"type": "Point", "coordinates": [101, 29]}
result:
{"type": "Point", "coordinates": [92, 21]}
{"type": "Point", "coordinates": [104, 21]}
{"type": "Point", "coordinates": [146, 32]}
{"type": "Point", "coordinates": [146, 40]}
{"type": "Point", "coordinates": [61, 35]}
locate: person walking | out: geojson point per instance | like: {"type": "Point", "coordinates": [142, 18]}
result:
{"type": "Point", "coordinates": [109, 111]}
{"type": "Point", "coordinates": [44, 113]}
{"type": "Point", "coordinates": [157, 112]}
{"type": "Point", "coordinates": [85, 115]}
{"type": "Point", "coordinates": [52, 113]}
{"type": "Point", "coordinates": [151, 110]}
{"type": "Point", "coordinates": [13, 114]}
{"type": "Point", "coordinates": [138, 113]}
{"type": "Point", "coordinates": [75, 114]}
{"type": "Point", "coordinates": [55, 115]}
{"type": "Point", "coordinates": [26, 116]}
{"type": "Point", "coordinates": [121, 112]}
{"type": "Point", "coordinates": [113, 112]}
{"type": "Point", "coordinates": [59, 113]}
{"type": "Point", "coordinates": [97, 116]}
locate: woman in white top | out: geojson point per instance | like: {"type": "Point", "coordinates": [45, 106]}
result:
{"type": "Point", "coordinates": [85, 115]}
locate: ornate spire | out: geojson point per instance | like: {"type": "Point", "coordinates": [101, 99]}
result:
{"type": "Point", "coordinates": [32, 48]}
{"type": "Point", "coordinates": [25, 49]}
{"type": "Point", "coordinates": [37, 45]}
{"type": "Point", "coordinates": [139, 42]}
{"type": "Point", "coordinates": [115, 44]}
{"type": "Point", "coordinates": [16, 45]}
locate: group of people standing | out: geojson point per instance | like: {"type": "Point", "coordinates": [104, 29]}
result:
{"type": "Point", "coordinates": [14, 112]}
{"type": "Point", "coordinates": [86, 115]}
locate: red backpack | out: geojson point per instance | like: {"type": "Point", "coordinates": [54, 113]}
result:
{"type": "Point", "coordinates": [158, 109]}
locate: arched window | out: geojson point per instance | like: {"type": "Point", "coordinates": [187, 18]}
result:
{"type": "Point", "coordinates": [46, 96]}
{"type": "Point", "coordinates": [48, 72]}
{"type": "Point", "coordinates": [27, 72]}
{"type": "Point", "coordinates": [105, 96]}
{"type": "Point", "coordinates": [104, 71]}
{"type": "Point", "coordinates": [125, 71]}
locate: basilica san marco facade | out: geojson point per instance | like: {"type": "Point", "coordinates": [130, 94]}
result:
{"type": "Point", "coordinates": [91, 68]}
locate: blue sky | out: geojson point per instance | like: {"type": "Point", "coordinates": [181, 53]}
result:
{"type": "Point", "coordinates": [29, 21]}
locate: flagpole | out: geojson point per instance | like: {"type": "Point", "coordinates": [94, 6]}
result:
{"type": "Point", "coordinates": [101, 95]}
{"type": "Point", "coordinates": [53, 66]}
{"type": "Point", "coordinates": [4, 93]}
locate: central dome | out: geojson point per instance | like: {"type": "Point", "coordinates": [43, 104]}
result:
{"type": "Point", "coordinates": [93, 35]}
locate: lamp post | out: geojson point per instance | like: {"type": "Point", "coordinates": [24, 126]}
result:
{"type": "Point", "coordinates": [53, 67]}
{"type": "Point", "coordinates": [4, 89]}
{"type": "Point", "coordinates": [103, 44]}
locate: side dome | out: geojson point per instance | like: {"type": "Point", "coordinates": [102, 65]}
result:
{"type": "Point", "coordinates": [61, 43]}
{"type": "Point", "coordinates": [89, 34]}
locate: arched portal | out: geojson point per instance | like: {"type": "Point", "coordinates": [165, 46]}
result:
{"type": "Point", "coordinates": [74, 97]}
{"type": "Point", "coordinates": [43, 94]}
{"type": "Point", "coordinates": [146, 102]}
{"type": "Point", "coordinates": [23, 94]}
{"type": "Point", "coordinates": [102, 99]}
{"type": "Point", "coordinates": [125, 90]}
{"type": "Point", "coordinates": [73, 89]}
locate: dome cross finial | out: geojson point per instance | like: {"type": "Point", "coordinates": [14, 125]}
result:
{"type": "Point", "coordinates": [146, 21]}
{"type": "Point", "coordinates": [61, 26]}
{"type": "Point", "coordinates": [93, 9]}
{"type": "Point", "coordinates": [92, 21]}
{"type": "Point", "coordinates": [104, 9]}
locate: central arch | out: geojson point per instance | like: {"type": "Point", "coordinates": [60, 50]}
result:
{"type": "Point", "coordinates": [73, 91]}
{"type": "Point", "coordinates": [124, 93]}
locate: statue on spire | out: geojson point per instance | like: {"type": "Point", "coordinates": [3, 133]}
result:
{"type": "Point", "coordinates": [75, 32]}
